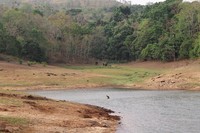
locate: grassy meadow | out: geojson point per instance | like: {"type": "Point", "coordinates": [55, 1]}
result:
{"type": "Point", "coordinates": [116, 74]}
{"type": "Point", "coordinates": [15, 76]}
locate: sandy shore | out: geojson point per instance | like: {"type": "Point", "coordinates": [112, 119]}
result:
{"type": "Point", "coordinates": [25, 113]}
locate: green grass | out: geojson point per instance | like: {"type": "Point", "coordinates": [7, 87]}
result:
{"type": "Point", "coordinates": [85, 67]}
{"type": "Point", "coordinates": [8, 58]}
{"type": "Point", "coordinates": [13, 85]}
{"type": "Point", "coordinates": [14, 120]}
{"type": "Point", "coordinates": [10, 101]}
{"type": "Point", "coordinates": [194, 84]}
{"type": "Point", "coordinates": [12, 92]}
{"type": "Point", "coordinates": [117, 75]}
{"type": "Point", "coordinates": [84, 75]}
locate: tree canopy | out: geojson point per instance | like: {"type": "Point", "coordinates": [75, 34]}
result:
{"type": "Point", "coordinates": [164, 31]}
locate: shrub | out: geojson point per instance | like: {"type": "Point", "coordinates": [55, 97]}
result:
{"type": "Point", "coordinates": [20, 61]}
{"type": "Point", "coordinates": [30, 63]}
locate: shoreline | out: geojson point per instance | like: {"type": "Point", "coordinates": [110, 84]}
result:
{"type": "Point", "coordinates": [135, 87]}
{"type": "Point", "coordinates": [101, 118]}
{"type": "Point", "coordinates": [47, 115]}
{"type": "Point", "coordinates": [40, 114]}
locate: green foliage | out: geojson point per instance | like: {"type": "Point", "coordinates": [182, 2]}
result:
{"type": "Point", "coordinates": [30, 63]}
{"type": "Point", "coordinates": [74, 12]}
{"type": "Point", "coordinates": [36, 11]}
{"type": "Point", "coordinates": [80, 30]}
{"type": "Point", "coordinates": [20, 61]}
{"type": "Point", "coordinates": [163, 31]}
{"type": "Point", "coordinates": [185, 48]}
{"type": "Point", "coordinates": [62, 4]}
{"type": "Point", "coordinates": [117, 49]}
{"type": "Point", "coordinates": [31, 50]}
{"type": "Point", "coordinates": [12, 46]}
{"type": "Point", "coordinates": [195, 52]}
{"type": "Point", "coordinates": [14, 120]}
{"type": "Point", "coordinates": [151, 52]}
{"type": "Point", "coordinates": [8, 44]}
{"type": "Point", "coordinates": [70, 32]}
{"type": "Point", "coordinates": [44, 64]}
{"type": "Point", "coordinates": [98, 47]}
{"type": "Point", "coordinates": [121, 13]}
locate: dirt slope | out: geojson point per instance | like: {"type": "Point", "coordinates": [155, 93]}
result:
{"type": "Point", "coordinates": [38, 115]}
{"type": "Point", "coordinates": [184, 75]}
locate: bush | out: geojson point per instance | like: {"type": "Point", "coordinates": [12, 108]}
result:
{"type": "Point", "coordinates": [44, 64]}
{"type": "Point", "coordinates": [20, 61]}
{"type": "Point", "coordinates": [195, 52]}
{"type": "Point", "coordinates": [30, 63]}
{"type": "Point", "coordinates": [32, 51]}
{"type": "Point", "coordinates": [151, 52]}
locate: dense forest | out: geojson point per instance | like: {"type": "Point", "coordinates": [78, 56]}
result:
{"type": "Point", "coordinates": [54, 31]}
{"type": "Point", "coordinates": [62, 4]}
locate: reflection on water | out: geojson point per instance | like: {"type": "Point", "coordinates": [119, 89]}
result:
{"type": "Point", "coordinates": [141, 111]}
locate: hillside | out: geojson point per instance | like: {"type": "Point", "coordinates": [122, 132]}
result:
{"type": "Point", "coordinates": [165, 31]}
{"type": "Point", "coordinates": [67, 4]}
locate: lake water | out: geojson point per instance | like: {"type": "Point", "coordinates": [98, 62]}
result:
{"type": "Point", "coordinates": [141, 111]}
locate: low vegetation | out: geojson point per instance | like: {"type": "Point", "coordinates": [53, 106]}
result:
{"type": "Point", "coordinates": [72, 76]}
{"type": "Point", "coordinates": [180, 75]}
{"type": "Point", "coordinates": [14, 120]}
{"type": "Point", "coordinates": [116, 74]}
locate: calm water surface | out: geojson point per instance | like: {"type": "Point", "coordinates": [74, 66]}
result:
{"type": "Point", "coordinates": [141, 111]}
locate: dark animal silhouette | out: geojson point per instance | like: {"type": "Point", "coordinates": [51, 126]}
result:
{"type": "Point", "coordinates": [105, 64]}
{"type": "Point", "coordinates": [107, 97]}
